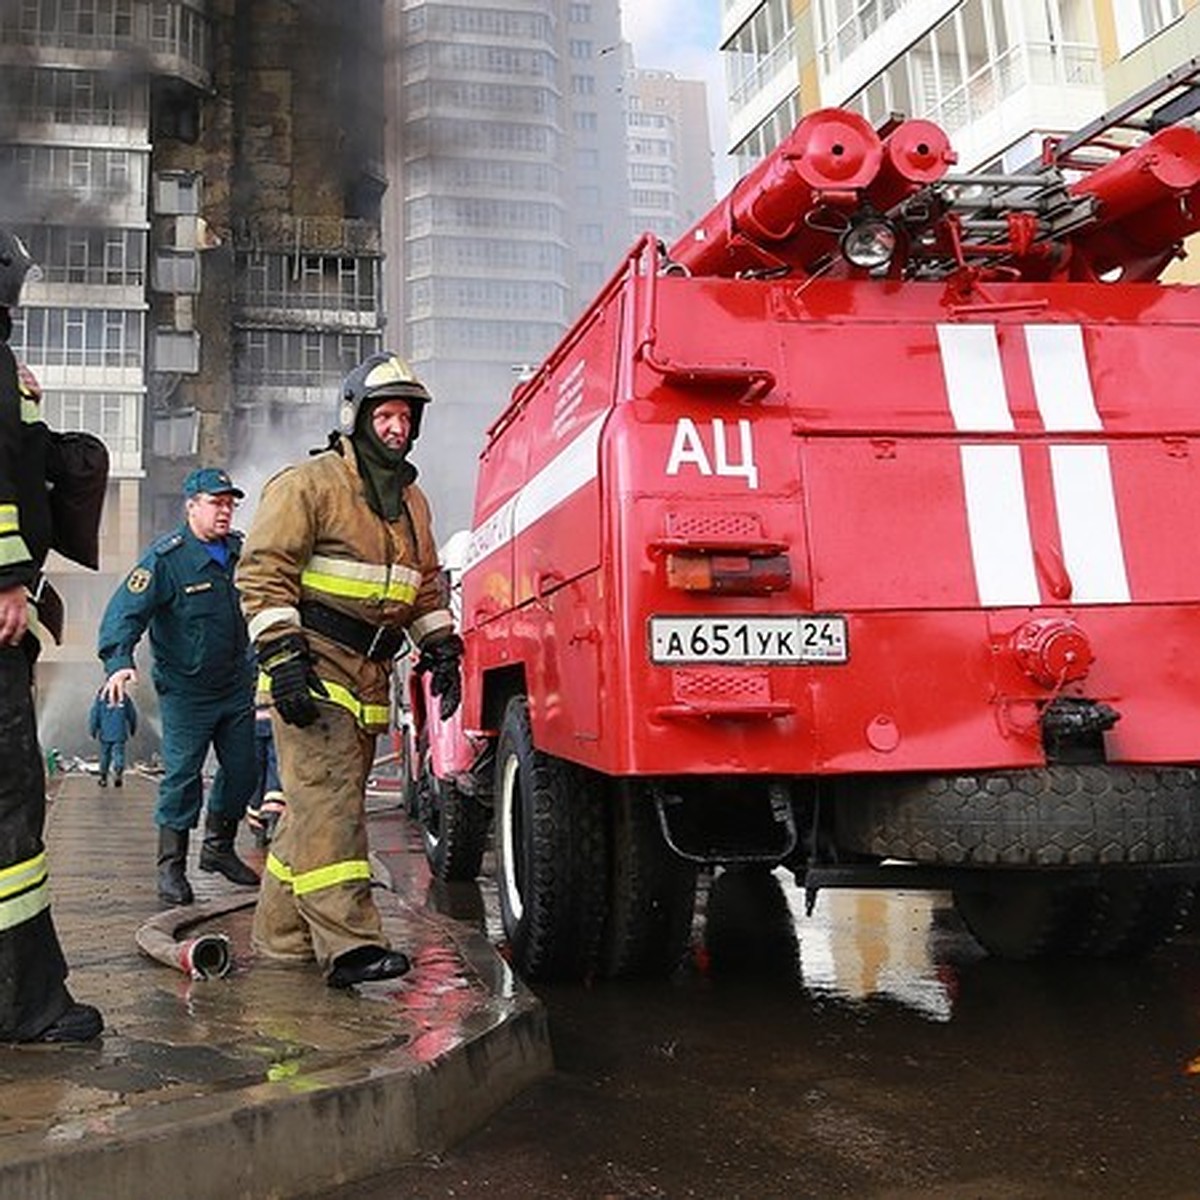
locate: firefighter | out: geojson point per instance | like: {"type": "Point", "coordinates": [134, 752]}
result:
{"type": "Point", "coordinates": [339, 563]}
{"type": "Point", "coordinates": [35, 1005]}
{"type": "Point", "coordinates": [182, 590]}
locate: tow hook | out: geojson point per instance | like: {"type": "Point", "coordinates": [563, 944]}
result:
{"type": "Point", "coordinates": [1072, 728]}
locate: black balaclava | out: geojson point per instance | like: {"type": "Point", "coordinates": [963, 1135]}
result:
{"type": "Point", "coordinates": [385, 472]}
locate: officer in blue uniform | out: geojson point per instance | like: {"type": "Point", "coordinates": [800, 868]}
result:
{"type": "Point", "coordinates": [182, 590]}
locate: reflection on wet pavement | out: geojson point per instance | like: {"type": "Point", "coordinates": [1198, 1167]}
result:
{"type": "Point", "coordinates": [172, 1038]}
{"type": "Point", "coordinates": [869, 1049]}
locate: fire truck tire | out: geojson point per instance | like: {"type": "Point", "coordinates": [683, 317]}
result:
{"type": "Point", "coordinates": [1062, 815]}
{"type": "Point", "coordinates": [551, 855]}
{"type": "Point", "coordinates": [651, 892]}
{"type": "Point", "coordinates": [454, 826]}
{"type": "Point", "coordinates": [406, 757]}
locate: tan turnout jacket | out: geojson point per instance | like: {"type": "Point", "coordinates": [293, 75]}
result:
{"type": "Point", "coordinates": [314, 537]}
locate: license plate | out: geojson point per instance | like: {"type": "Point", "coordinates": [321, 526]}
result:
{"type": "Point", "coordinates": [782, 640]}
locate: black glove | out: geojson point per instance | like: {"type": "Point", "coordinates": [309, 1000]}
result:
{"type": "Point", "coordinates": [293, 681]}
{"type": "Point", "coordinates": [441, 660]}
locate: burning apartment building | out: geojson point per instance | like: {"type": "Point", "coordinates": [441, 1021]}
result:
{"type": "Point", "coordinates": [200, 181]}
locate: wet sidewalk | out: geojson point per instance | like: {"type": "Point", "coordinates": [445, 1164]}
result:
{"type": "Point", "coordinates": [265, 1082]}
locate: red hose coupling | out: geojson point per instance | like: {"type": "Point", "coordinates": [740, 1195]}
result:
{"type": "Point", "coordinates": [1052, 651]}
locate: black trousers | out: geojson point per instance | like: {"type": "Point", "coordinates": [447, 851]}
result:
{"type": "Point", "coordinates": [33, 971]}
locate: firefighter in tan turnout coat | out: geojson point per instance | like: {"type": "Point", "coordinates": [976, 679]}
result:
{"type": "Point", "coordinates": [339, 562]}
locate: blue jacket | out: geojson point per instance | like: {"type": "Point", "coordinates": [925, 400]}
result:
{"type": "Point", "coordinates": [112, 722]}
{"type": "Point", "coordinates": [189, 603]}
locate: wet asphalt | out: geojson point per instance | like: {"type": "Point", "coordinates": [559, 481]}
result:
{"type": "Point", "coordinates": [869, 1050]}
{"type": "Point", "coordinates": [264, 1082]}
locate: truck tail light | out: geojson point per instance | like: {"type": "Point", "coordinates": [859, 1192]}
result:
{"type": "Point", "coordinates": [731, 574]}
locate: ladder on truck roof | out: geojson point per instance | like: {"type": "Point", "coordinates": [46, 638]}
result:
{"type": "Point", "coordinates": [1173, 97]}
{"type": "Point", "coordinates": [983, 200]}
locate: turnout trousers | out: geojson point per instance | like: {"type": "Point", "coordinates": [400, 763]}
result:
{"type": "Point", "coordinates": [315, 900]}
{"type": "Point", "coordinates": [191, 722]}
{"type": "Point", "coordinates": [33, 971]}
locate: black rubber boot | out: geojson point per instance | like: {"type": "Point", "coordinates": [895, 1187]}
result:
{"type": "Point", "coordinates": [217, 853]}
{"type": "Point", "coordinates": [367, 964]}
{"type": "Point", "coordinates": [80, 1023]}
{"type": "Point", "coordinates": [173, 886]}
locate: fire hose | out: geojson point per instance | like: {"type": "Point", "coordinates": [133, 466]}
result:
{"type": "Point", "coordinates": [206, 956]}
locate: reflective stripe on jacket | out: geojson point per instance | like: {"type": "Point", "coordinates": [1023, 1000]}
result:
{"type": "Point", "coordinates": [25, 521]}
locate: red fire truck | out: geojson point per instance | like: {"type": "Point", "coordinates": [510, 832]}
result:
{"type": "Point", "coordinates": [856, 533]}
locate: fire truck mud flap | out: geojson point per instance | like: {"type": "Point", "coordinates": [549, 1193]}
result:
{"type": "Point", "coordinates": [1023, 831]}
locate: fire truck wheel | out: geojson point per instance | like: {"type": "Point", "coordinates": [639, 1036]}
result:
{"type": "Point", "coordinates": [454, 826]}
{"type": "Point", "coordinates": [651, 895]}
{"type": "Point", "coordinates": [406, 771]}
{"type": "Point", "coordinates": [551, 855]}
{"type": "Point", "coordinates": [1062, 815]}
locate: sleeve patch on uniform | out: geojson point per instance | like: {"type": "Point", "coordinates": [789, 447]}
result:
{"type": "Point", "coordinates": [139, 580]}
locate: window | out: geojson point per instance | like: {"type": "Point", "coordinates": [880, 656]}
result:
{"type": "Point", "coordinates": [90, 337]}
{"type": "Point", "coordinates": [115, 417]}
{"type": "Point", "coordinates": [1138, 21]}
{"type": "Point", "coordinates": [965, 66]}
{"type": "Point", "coordinates": [176, 271]}
{"type": "Point", "coordinates": [176, 351]}
{"type": "Point", "coordinates": [114, 257]}
{"type": "Point", "coordinates": [177, 194]}
{"type": "Point", "coordinates": [309, 363]}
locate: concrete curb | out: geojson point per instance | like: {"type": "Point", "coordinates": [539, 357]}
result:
{"type": "Point", "coordinates": [279, 1138]}
{"type": "Point", "coordinates": [266, 1082]}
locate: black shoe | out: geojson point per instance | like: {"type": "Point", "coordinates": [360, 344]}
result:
{"type": "Point", "coordinates": [217, 853]}
{"type": "Point", "coordinates": [367, 964]}
{"type": "Point", "coordinates": [116, 781]}
{"type": "Point", "coordinates": [102, 780]}
{"type": "Point", "coordinates": [226, 863]}
{"type": "Point", "coordinates": [80, 1023]}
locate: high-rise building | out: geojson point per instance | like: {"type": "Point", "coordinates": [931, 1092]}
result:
{"type": "Point", "coordinates": [506, 160]}
{"type": "Point", "coordinates": [997, 75]}
{"type": "Point", "coordinates": [670, 152]}
{"type": "Point", "coordinates": [477, 222]}
{"type": "Point", "coordinates": [200, 181]}
{"type": "Point", "coordinates": [521, 138]}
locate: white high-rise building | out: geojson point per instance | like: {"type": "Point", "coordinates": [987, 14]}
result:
{"type": "Point", "coordinates": [997, 75]}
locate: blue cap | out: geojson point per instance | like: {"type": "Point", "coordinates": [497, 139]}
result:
{"type": "Point", "coordinates": [212, 481]}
